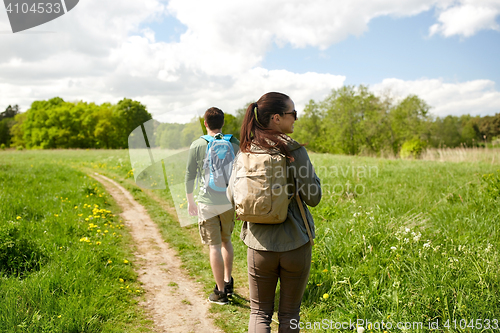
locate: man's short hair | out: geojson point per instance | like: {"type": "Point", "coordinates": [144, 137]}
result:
{"type": "Point", "coordinates": [214, 118]}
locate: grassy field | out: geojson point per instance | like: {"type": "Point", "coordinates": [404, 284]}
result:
{"type": "Point", "coordinates": [66, 263]}
{"type": "Point", "coordinates": [397, 241]}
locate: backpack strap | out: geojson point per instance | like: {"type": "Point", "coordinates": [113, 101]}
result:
{"type": "Point", "coordinates": [228, 137]}
{"type": "Point", "coordinates": [208, 138]}
{"type": "Point", "coordinates": [303, 213]}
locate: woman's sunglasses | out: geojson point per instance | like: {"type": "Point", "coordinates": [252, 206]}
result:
{"type": "Point", "coordinates": [294, 112]}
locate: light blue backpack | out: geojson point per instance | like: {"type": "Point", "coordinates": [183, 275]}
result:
{"type": "Point", "coordinates": [218, 162]}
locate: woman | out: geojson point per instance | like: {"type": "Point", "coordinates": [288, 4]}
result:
{"type": "Point", "coordinates": [278, 251]}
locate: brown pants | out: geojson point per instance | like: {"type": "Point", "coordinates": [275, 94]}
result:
{"type": "Point", "coordinates": [264, 269]}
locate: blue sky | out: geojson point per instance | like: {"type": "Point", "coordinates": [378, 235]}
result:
{"type": "Point", "coordinates": [397, 47]}
{"type": "Point", "coordinates": [181, 56]}
{"type": "Point", "coordinates": [392, 47]}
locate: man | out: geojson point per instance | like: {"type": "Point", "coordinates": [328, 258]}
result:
{"type": "Point", "coordinates": [215, 213]}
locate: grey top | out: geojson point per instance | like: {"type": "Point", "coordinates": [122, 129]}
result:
{"type": "Point", "coordinates": [292, 233]}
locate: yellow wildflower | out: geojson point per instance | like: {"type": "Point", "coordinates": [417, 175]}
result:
{"type": "Point", "coordinates": [19, 217]}
{"type": "Point", "coordinates": [325, 296]}
{"type": "Point", "coordinates": [125, 261]}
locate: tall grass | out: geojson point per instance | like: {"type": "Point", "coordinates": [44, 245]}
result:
{"type": "Point", "coordinates": [463, 154]}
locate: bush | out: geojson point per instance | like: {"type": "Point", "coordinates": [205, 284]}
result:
{"type": "Point", "coordinates": [412, 148]}
{"type": "Point", "coordinates": [2, 146]}
{"type": "Point", "coordinates": [18, 254]}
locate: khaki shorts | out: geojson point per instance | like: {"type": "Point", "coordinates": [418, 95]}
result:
{"type": "Point", "coordinates": [215, 223]}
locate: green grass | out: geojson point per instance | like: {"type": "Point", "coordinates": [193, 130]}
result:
{"type": "Point", "coordinates": [73, 283]}
{"type": "Point", "coordinates": [419, 244]}
{"type": "Point", "coordinates": [396, 240]}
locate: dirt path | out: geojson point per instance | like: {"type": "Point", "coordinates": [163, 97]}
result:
{"type": "Point", "coordinates": [174, 301]}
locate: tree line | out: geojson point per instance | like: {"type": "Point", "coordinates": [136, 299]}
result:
{"type": "Point", "coordinates": [59, 124]}
{"type": "Point", "coordinates": [354, 121]}
{"type": "Point", "coordinates": [350, 120]}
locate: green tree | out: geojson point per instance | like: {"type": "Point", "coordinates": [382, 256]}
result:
{"type": "Point", "coordinates": [489, 127]}
{"type": "Point", "coordinates": [128, 115]}
{"type": "Point", "coordinates": [170, 136]}
{"type": "Point", "coordinates": [17, 130]}
{"type": "Point", "coordinates": [308, 128]}
{"type": "Point", "coordinates": [192, 131]}
{"type": "Point", "coordinates": [104, 130]}
{"type": "Point", "coordinates": [350, 118]}
{"type": "Point", "coordinates": [6, 123]}
{"type": "Point", "coordinates": [449, 132]}
{"type": "Point", "coordinates": [10, 112]}
{"type": "Point", "coordinates": [408, 120]}
{"type": "Point", "coordinates": [469, 131]}
{"type": "Point", "coordinates": [231, 125]}
{"type": "Point", "coordinates": [5, 135]}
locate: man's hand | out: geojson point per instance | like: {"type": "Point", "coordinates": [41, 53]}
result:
{"type": "Point", "coordinates": [192, 208]}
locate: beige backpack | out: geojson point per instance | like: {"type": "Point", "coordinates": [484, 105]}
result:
{"type": "Point", "coordinates": [261, 192]}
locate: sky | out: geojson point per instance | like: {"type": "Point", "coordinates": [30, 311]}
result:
{"type": "Point", "coordinates": [180, 57]}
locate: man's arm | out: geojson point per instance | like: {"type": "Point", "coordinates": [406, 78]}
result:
{"type": "Point", "coordinates": [191, 174]}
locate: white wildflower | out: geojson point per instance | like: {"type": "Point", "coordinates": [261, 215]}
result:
{"type": "Point", "coordinates": [394, 248]}
{"type": "Point", "coordinates": [428, 244]}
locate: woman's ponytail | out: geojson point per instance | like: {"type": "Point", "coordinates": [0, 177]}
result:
{"type": "Point", "coordinates": [254, 128]}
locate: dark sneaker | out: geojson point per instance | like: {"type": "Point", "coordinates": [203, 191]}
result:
{"type": "Point", "coordinates": [218, 297]}
{"type": "Point", "coordinates": [229, 287]}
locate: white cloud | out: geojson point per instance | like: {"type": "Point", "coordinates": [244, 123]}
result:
{"type": "Point", "coordinates": [103, 51]}
{"type": "Point", "coordinates": [467, 17]}
{"type": "Point", "coordinates": [477, 97]}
